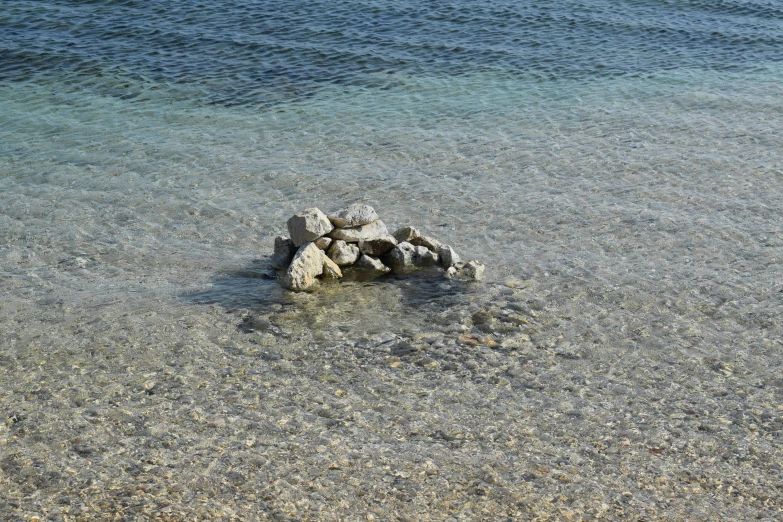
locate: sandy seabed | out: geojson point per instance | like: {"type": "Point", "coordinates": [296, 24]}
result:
{"type": "Point", "coordinates": [277, 413]}
{"type": "Point", "coordinates": [622, 361]}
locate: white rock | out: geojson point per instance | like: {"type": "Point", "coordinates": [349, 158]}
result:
{"type": "Point", "coordinates": [284, 252]}
{"type": "Point", "coordinates": [401, 258]}
{"type": "Point", "coordinates": [406, 257]}
{"type": "Point", "coordinates": [427, 257]}
{"type": "Point", "coordinates": [308, 225]}
{"type": "Point", "coordinates": [448, 257]}
{"type": "Point", "coordinates": [323, 242]}
{"type": "Point", "coordinates": [472, 270]}
{"type": "Point", "coordinates": [331, 270]}
{"type": "Point", "coordinates": [353, 215]}
{"type": "Point", "coordinates": [427, 242]}
{"type": "Point", "coordinates": [371, 264]}
{"type": "Point", "coordinates": [378, 246]}
{"type": "Point", "coordinates": [307, 265]}
{"type": "Point", "coordinates": [372, 230]}
{"type": "Point", "coordinates": [406, 234]}
{"type": "Point", "coordinates": [342, 253]}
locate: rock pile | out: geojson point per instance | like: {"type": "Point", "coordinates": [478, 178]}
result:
{"type": "Point", "coordinates": [321, 246]}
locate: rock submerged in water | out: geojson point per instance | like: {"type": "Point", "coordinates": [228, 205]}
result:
{"type": "Point", "coordinates": [354, 238]}
{"type": "Point", "coordinates": [307, 265]}
{"type": "Point", "coordinates": [371, 264]}
{"type": "Point", "coordinates": [331, 270]}
{"type": "Point", "coordinates": [448, 257]}
{"type": "Point", "coordinates": [284, 252]}
{"type": "Point", "coordinates": [406, 257]}
{"type": "Point", "coordinates": [472, 270]}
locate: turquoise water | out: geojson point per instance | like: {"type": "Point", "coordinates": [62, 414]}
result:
{"type": "Point", "coordinates": [632, 145]}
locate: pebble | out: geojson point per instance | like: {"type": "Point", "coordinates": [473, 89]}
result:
{"type": "Point", "coordinates": [371, 264]}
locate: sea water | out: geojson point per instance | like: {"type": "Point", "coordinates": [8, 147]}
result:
{"type": "Point", "coordinates": [632, 145]}
{"type": "Point", "coordinates": [618, 163]}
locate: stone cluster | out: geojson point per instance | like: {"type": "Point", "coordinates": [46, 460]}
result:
{"type": "Point", "coordinates": [321, 246]}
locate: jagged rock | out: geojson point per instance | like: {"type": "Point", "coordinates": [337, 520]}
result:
{"type": "Point", "coordinates": [331, 270]}
{"type": "Point", "coordinates": [308, 264]}
{"type": "Point", "coordinates": [406, 234]}
{"type": "Point", "coordinates": [429, 243]}
{"type": "Point", "coordinates": [372, 230]}
{"type": "Point", "coordinates": [355, 236]}
{"type": "Point", "coordinates": [378, 246]}
{"type": "Point", "coordinates": [428, 257]}
{"type": "Point", "coordinates": [342, 253]}
{"type": "Point", "coordinates": [472, 270]}
{"type": "Point", "coordinates": [448, 257]}
{"type": "Point", "coordinates": [284, 252]}
{"type": "Point", "coordinates": [323, 242]}
{"type": "Point", "coordinates": [353, 215]}
{"type": "Point", "coordinates": [406, 257]}
{"type": "Point", "coordinates": [308, 225]}
{"type": "Point", "coordinates": [371, 264]}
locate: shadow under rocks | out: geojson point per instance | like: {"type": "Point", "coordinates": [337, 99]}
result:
{"type": "Point", "coordinates": [352, 305]}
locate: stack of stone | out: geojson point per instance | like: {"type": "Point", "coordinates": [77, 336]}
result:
{"type": "Point", "coordinates": [322, 246]}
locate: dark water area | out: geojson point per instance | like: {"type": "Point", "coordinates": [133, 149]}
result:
{"type": "Point", "coordinates": [261, 53]}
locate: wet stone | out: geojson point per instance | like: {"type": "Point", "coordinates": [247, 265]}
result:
{"type": "Point", "coordinates": [284, 252]}
{"type": "Point", "coordinates": [371, 264]}
{"type": "Point", "coordinates": [308, 263]}
{"type": "Point", "coordinates": [406, 257]}
{"type": "Point", "coordinates": [470, 271]}
{"type": "Point", "coordinates": [331, 270]}
{"type": "Point", "coordinates": [448, 257]}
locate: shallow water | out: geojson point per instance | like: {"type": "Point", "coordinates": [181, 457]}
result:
{"type": "Point", "coordinates": [616, 166]}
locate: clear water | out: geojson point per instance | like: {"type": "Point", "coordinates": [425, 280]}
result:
{"type": "Point", "coordinates": [608, 147]}
{"type": "Point", "coordinates": [615, 164]}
